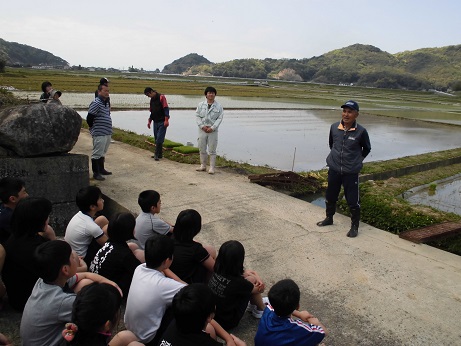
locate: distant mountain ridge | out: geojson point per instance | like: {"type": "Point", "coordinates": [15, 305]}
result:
{"type": "Point", "coordinates": [16, 54]}
{"type": "Point", "coordinates": [358, 64]}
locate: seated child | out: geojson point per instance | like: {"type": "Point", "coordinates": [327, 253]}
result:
{"type": "Point", "coordinates": [277, 327]}
{"type": "Point", "coordinates": [95, 314]}
{"type": "Point", "coordinates": [49, 306]}
{"type": "Point", "coordinates": [86, 234]}
{"type": "Point", "coordinates": [235, 287]}
{"type": "Point", "coordinates": [116, 260]}
{"type": "Point", "coordinates": [12, 190]}
{"type": "Point", "coordinates": [148, 223]}
{"type": "Point", "coordinates": [192, 261]}
{"type": "Point", "coordinates": [193, 310]}
{"type": "Point", "coordinates": [151, 292]}
{"type": "Point", "coordinates": [28, 222]}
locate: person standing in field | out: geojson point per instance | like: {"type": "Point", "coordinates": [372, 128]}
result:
{"type": "Point", "coordinates": [100, 123]}
{"type": "Point", "coordinates": [350, 144]}
{"type": "Point", "coordinates": [208, 116]}
{"type": "Point", "coordinates": [160, 114]}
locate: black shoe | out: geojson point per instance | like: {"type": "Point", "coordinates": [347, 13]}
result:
{"type": "Point", "coordinates": [155, 157]}
{"type": "Point", "coordinates": [353, 232]}
{"type": "Point", "coordinates": [328, 221]}
{"type": "Point", "coordinates": [102, 170]}
{"type": "Point", "coordinates": [98, 177]}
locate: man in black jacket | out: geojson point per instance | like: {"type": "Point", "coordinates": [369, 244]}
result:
{"type": "Point", "coordinates": [350, 144]}
{"type": "Point", "coordinates": [160, 114]}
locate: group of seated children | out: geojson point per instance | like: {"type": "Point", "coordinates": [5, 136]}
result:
{"type": "Point", "coordinates": [177, 291]}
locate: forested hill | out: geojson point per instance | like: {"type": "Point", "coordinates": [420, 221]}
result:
{"type": "Point", "coordinates": [16, 54]}
{"type": "Point", "coordinates": [357, 64]}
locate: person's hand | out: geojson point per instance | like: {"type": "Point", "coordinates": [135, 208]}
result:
{"type": "Point", "coordinates": [303, 315]}
{"type": "Point", "coordinates": [166, 123]}
{"type": "Point", "coordinates": [238, 341]}
{"type": "Point", "coordinates": [4, 340]}
{"type": "Point", "coordinates": [148, 123]}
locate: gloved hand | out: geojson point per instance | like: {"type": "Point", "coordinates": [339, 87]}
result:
{"type": "Point", "coordinates": [166, 123]}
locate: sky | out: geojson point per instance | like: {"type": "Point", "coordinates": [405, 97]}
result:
{"type": "Point", "coordinates": [150, 34]}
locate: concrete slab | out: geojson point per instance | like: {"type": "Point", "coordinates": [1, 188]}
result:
{"type": "Point", "coordinates": [376, 289]}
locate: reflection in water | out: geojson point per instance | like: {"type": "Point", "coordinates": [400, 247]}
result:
{"type": "Point", "coordinates": [445, 197]}
{"type": "Point", "coordinates": [270, 137]}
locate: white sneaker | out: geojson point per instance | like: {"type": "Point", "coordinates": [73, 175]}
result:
{"type": "Point", "coordinates": [257, 313]}
{"type": "Point", "coordinates": [251, 307]}
{"type": "Point", "coordinates": [202, 168]}
{"type": "Point", "coordinates": [211, 171]}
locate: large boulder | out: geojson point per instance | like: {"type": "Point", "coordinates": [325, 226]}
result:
{"type": "Point", "coordinates": [38, 129]}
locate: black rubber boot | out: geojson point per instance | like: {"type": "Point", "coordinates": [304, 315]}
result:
{"type": "Point", "coordinates": [330, 211]}
{"type": "Point", "coordinates": [101, 167]}
{"type": "Point", "coordinates": [355, 219]}
{"type": "Point", "coordinates": [95, 166]}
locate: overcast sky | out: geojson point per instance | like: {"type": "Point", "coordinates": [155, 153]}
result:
{"type": "Point", "coordinates": [150, 34]}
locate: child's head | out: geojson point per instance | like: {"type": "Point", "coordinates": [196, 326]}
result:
{"type": "Point", "coordinates": [30, 216]}
{"type": "Point", "coordinates": [12, 190]}
{"type": "Point", "coordinates": [188, 225]}
{"type": "Point", "coordinates": [87, 197]}
{"type": "Point", "coordinates": [230, 259]}
{"type": "Point", "coordinates": [148, 199]}
{"type": "Point", "coordinates": [193, 307]}
{"type": "Point", "coordinates": [55, 94]}
{"type": "Point", "coordinates": [158, 248]}
{"type": "Point", "coordinates": [96, 309]}
{"type": "Point", "coordinates": [284, 297]}
{"type": "Point", "coordinates": [46, 87]}
{"type": "Point", "coordinates": [51, 256]}
{"type": "Point", "coordinates": [121, 227]}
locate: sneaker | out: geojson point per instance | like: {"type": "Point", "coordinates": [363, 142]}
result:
{"type": "Point", "coordinates": [266, 300]}
{"type": "Point", "coordinates": [257, 313]}
{"type": "Point", "coordinates": [251, 307]}
{"type": "Point", "coordinates": [202, 168]}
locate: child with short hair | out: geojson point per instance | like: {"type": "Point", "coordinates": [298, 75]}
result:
{"type": "Point", "coordinates": [234, 287]}
{"type": "Point", "coordinates": [49, 306]}
{"type": "Point", "coordinates": [193, 262]}
{"type": "Point", "coordinates": [116, 260]}
{"type": "Point", "coordinates": [85, 233]}
{"type": "Point", "coordinates": [95, 314]}
{"type": "Point", "coordinates": [148, 223]}
{"type": "Point", "coordinates": [193, 309]}
{"type": "Point", "coordinates": [151, 292]}
{"type": "Point", "coordinates": [278, 328]}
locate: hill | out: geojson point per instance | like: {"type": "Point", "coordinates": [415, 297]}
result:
{"type": "Point", "coordinates": [358, 64]}
{"type": "Point", "coordinates": [16, 54]}
{"type": "Point", "coordinates": [183, 64]}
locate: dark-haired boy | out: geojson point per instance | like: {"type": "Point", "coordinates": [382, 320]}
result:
{"type": "Point", "coordinates": [85, 233]}
{"type": "Point", "coordinates": [193, 325]}
{"type": "Point", "coordinates": [151, 292]}
{"type": "Point", "coordinates": [278, 328]}
{"type": "Point", "coordinates": [12, 190]}
{"type": "Point", "coordinates": [49, 306]}
{"type": "Point", "coordinates": [148, 223]}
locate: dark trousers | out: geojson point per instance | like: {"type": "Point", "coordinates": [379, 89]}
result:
{"type": "Point", "coordinates": [350, 182]}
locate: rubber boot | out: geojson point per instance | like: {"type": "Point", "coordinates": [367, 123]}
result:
{"type": "Point", "coordinates": [330, 211]}
{"type": "Point", "coordinates": [355, 219]}
{"type": "Point", "coordinates": [212, 164]}
{"type": "Point", "coordinates": [203, 158]}
{"type": "Point", "coordinates": [101, 167]}
{"type": "Point", "coordinates": [95, 167]}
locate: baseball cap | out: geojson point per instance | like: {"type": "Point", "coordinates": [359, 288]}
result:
{"type": "Point", "coordinates": [351, 104]}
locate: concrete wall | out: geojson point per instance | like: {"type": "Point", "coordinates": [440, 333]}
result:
{"type": "Point", "coordinates": [57, 178]}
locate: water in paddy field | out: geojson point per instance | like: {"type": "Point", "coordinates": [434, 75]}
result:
{"type": "Point", "coordinates": [446, 196]}
{"type": "Point", "coordinates": [297, 139]}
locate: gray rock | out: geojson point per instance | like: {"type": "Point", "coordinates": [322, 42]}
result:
{"type": "Point", "coordinates": [39, 129]}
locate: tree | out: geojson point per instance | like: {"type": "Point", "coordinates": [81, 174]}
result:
{"type": "Point", "coordinates": [2, 66]}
